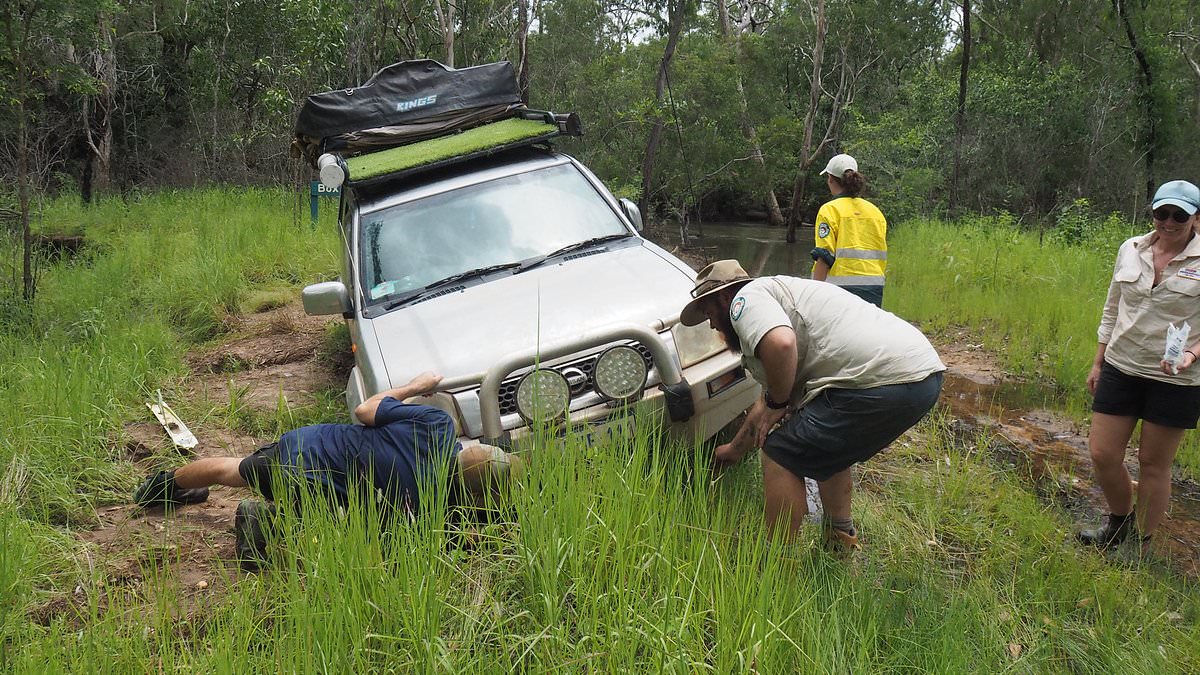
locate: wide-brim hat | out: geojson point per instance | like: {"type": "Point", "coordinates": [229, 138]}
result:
{"type": "Point", "coordinates": [712, 279]}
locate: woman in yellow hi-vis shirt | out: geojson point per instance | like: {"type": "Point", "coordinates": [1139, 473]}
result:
{"type": "Point", "coordinates": [851, 236]}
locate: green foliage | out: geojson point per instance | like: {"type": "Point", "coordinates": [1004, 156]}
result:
{"type": "Point", "coordinates": [1078, 225]}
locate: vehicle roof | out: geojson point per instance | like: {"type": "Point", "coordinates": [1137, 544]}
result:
{"type": "Point", "coordinates": [389, 193]}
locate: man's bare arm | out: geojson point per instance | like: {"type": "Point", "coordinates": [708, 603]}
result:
{"type": "Point", "coordinates": [820, 270]}
{"type": "Point", "coordinates": [424, 383]}
{"type": "Point", "coordinates": [777, 351]}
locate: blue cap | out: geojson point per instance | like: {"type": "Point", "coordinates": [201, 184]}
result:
{"type": "Point", "coordinates": [1178, 193]}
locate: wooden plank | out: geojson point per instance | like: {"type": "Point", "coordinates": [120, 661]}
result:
{"type": "Point", "coordinates": [181, 436]}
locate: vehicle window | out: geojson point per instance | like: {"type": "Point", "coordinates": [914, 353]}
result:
{"type": "Point", "coordinates": [506, 220]}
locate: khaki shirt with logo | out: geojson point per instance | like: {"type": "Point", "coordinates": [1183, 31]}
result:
{"type": "Point", "coordinates": [1136, 312]}
{"type": "Point", "coordinates": [842, 341]}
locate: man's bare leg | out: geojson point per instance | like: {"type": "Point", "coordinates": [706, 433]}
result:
{"type": "Point", "coordinates": [785, 500]}
{"type": "Point", "coordinates": [835, 495]}
{"type": "Point", "coordinates": [210, 471]}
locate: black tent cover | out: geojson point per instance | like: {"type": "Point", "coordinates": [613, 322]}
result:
{"type": "Point", "coordinates": [407, 92]}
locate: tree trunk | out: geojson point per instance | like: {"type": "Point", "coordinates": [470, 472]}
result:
{"type": "Point", "coordinates": [98, 111]}
{"type": "Point", "coordinates": [28, 287]}
{"type": "Point", "coordinates": [806, 154]}
{"type": "Point", "coordinates": [523, 49]}
{"type": "Point", "coordinates": [1146, 94]}
{"type": "Point", "coordinates": [723, 18]}
{"type": "Point", "coordinates": [675, 14]}
{"type": "Point", "coordinates": [445, 18]}
{"type": "Point", "coordinates": [960, 114]}
{"type": "Point", "coordinates": [770, 202]}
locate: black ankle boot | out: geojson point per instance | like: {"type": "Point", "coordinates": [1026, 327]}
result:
{"type": "Point", "coordinates": [160, 489]}
{"type": "Point", "coordinates": [250, 533]}
{"type": "Point", "coordinates": [1112, 533]}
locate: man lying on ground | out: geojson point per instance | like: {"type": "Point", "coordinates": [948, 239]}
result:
{"type": "Point", "coordinates": [400, 451]}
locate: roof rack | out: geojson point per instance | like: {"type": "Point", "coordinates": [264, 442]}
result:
{"type": "Point", "coordinates": [525, 128]}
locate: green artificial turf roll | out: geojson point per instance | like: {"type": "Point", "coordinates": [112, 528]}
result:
{"type": "Point", "coordinates": [437, 149]}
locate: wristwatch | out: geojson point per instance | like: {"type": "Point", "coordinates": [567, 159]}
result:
{"type": "Point", "coordinates": [772, 404]}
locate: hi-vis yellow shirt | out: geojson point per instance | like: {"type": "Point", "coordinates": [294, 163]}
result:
{"type": "Point", "coordinates": [851, 238]}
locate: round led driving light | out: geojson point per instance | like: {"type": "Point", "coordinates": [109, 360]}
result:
{"type": "Point", "coordinates": [543, 395]}
{"type": "Point", "coordinates": [620, 373]}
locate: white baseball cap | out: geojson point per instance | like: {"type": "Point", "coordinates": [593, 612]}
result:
{"type": "Point", "coordinates": [839, 165]}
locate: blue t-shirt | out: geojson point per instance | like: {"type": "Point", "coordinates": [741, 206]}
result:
{"type": "Point", "coordinates": [409, 447]}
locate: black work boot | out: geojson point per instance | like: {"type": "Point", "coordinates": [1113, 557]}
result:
{"type": "Point", "coordinates": [250, 534]}
{"type": "Point", "coordinates": [1112, 533]}
{"type": "Point", "coordinates": [160, 490]}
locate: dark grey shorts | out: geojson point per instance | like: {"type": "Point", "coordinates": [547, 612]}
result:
{"type": "Point", "coordinates": [872, 294]}
{"type": "Point", "coordinates": [842, 427]}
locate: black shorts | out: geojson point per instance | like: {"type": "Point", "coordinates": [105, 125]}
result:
{"type": "Point", "coordinates": [841, 427]}
{"type": "Point", "coordinates": [259, 470]}
{"type": "Point", "coordinates": [1161, 403]}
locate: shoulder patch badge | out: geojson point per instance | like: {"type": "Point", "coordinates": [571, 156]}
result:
{"type": "Point", "coordinates": [823, 230]}
{"type": "Point", "coordinates": [735, 310]}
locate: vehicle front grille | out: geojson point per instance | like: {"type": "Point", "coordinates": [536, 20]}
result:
{"type": "Point", "coordinates": [508, 388]}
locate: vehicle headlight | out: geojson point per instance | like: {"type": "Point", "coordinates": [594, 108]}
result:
{"type": "Point", "coordinates": [696, 343]}
{"type": "Point", "coordinates": [620, 373]}
{"type": "Point", "coordinates": [543, 395]}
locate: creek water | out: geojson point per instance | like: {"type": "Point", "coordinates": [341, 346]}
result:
{"type": "Point", "coordinates": [762, 250]}
{"type": "Point", "coordinates": [1020, 420]}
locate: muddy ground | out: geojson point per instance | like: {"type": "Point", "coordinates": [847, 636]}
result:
{"type": "Point", "coordinates": [274, 354]}
{"type": "Point", "coordinates": [265, 356]}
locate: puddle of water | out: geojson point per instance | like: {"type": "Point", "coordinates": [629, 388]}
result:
{"type": "Point", "coordinates": [1054, 453]}
{"type": "Point", "coordinates": [762, 250]}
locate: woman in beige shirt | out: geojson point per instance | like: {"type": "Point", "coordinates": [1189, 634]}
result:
{"type": "Point", "coordinates": [1156, 282]}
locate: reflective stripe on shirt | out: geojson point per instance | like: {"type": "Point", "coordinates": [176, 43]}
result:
{"type": "Point", "coordinates": [861, 254]}
{"type": "Point", "coordinates": [854, 281]}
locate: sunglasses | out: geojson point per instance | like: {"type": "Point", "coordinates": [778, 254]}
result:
{"type": "Point", "coordinates": [1163, 213]}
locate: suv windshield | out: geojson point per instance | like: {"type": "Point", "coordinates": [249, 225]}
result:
{"type": "Point", "coordinates": [503, 221]}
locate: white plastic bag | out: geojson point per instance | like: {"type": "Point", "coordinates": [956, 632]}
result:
{"type": "Point", "coordinates": [1176, 343]}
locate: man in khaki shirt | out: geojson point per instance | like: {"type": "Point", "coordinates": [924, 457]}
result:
{"type": "Point", "coordinates": [853, 377]}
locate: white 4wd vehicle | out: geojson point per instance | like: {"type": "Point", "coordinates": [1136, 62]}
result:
{"type": "Point", "coordinates": [517, 276]}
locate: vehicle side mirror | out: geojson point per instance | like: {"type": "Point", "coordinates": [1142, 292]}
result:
{"type": "Point", "coordinates": [632, 212]}
{"type": "Point", "coordinates": [327, 297]}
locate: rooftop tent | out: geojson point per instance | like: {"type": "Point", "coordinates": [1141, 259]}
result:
{"type": "Point", "coordinates": [403, 103]}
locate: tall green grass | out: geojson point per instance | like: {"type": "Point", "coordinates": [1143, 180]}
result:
{"type": "Point", "coordinates": [625, 557]}
{"type": "Point", "coordinates": [1034, 300]}
{"type": "Point", "coordinates": [621, 558]}
{"type": "Point", "coordinates": [111, 326]}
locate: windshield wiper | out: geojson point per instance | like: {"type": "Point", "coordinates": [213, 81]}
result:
{"type": "Point", "coordinates": [469, 274]}
{"type": "Point", "coordinates": [534, 262]}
